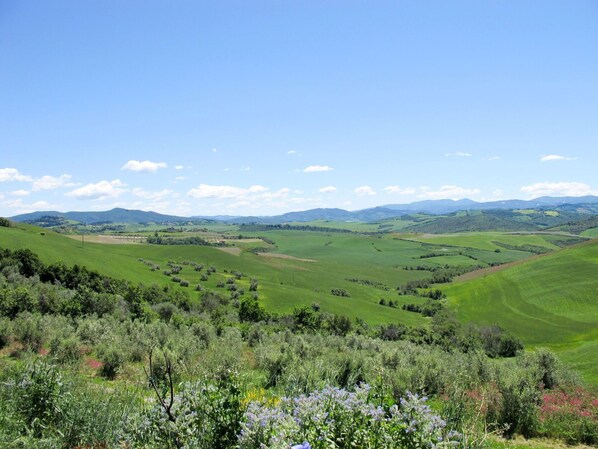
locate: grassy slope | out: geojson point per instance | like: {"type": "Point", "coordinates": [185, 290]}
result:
{"type": "Point", "coordinates": [284, 283]}
{"type": "Point", "coordinates": [549, 301]}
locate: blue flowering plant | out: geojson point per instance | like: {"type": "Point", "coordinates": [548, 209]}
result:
{"type": "Point", "coordinates": [337, 418]}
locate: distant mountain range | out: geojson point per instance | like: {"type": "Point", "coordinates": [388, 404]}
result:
{"type": "Point", "coordinates": [434, 207]}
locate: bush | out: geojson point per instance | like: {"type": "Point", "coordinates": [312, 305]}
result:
{"type": "Point", "coordinates": [205, 415]}
{"type": "Point", "coordinates": [346, 418]}
{"type": "Point", "coordinates": [65, 350]}
{"type": "Point", "coordinates": [112, 358]}
{"type": "Point", "coordinates": [5, 332]}
{"type": "Point", "coordinates": [340, 292]}
{"type": "Point", "coordinates": [29, 330]}
{"type": "Point", "coordinates": [36, 397]}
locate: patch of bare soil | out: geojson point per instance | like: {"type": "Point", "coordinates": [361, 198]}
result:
{"type": "Point", "coordinates": [285, 256]}
{"type": "Point", "coordinates": [230, 250]}
{"type": "Point", "coordinates": [110, 239]}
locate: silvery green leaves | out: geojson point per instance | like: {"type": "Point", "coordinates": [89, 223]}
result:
{"type": "Point", "coordinates": [337, 418]}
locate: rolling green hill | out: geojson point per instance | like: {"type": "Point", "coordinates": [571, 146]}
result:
{"type": "Point", "coordinates": [549, 301]}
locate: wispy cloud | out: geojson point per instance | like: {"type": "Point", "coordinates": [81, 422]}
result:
{"type": "Point", "coordinates": [153, 196]}
{"type": "Point", "coordinates": [458, 154]}
{"type": "Point", "coordinates": [292, 152]}
{"type": "Point", "coordinates": [100, 190]}
{"type": "Point", "coordinates": [317, 168]}
{"type": "Point", "coordinates": [558, 189]}
{"type": "Point", "coordinates": [556, 157]}
{"type": "Point", "coordinates": [364, 191]}
{"type": "Point", "coordinates": [143, 166]}
{"type": "Point", "coordinates": [20, 192]}
{"type": "Point", "coordinates": [52, 182]}
{"type": "Point", "coordinates": [223, 192]}
{"type": "Point", "coordinates": [179, 167]}
{"type": "Point", "coordinates": [399, 191]}
{"type": "Point", "coordinates": [494, 158]}
{"type": "Point", "coordinates": [327, 189]}
{"type": "Point", "coordinates": [22, 208]}
{"type": "Point", "coordinates": [12, 174]}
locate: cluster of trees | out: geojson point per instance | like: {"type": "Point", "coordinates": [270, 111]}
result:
{"type": "Point", "coordinates": [255, 227]}
{"type": "Point", "coordinates": [369, 283]}
{"type": "Point", "coordinates": [157, 239]}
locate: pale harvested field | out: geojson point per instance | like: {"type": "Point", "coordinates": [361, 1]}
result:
{"type": "Point", "coordinates": [284, 256]}
{"type": "Point", "coordinates": [109, 239]}
{"type": "Point", "coordinates": [230, 250]}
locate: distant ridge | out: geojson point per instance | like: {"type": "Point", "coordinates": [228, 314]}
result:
{"type": "Point", "coordinates": [434, 207]}
{"type": "Point", "coordinates": [117, 215]}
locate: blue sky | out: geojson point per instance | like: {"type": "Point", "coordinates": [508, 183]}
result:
{"type": "Point", "coordinates": [264, 107]}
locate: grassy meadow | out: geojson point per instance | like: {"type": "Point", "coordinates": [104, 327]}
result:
{"type": "Point", "coordinates": [550, 301]}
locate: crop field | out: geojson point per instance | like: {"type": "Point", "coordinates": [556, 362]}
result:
{"type": "Point", "coordinates": [533, 301]}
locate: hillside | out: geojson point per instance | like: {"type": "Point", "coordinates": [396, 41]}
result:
{"type": "Point", "coordinates": [550, 301]}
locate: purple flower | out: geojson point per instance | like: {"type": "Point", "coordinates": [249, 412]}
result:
{"type": "Point", "coordinates": [304, 445]}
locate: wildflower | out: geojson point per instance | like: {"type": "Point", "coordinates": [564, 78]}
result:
{"type": "Point", "coordinates": [304, 445]}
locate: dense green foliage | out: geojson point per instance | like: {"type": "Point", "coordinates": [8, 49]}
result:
{"type": "Point", "coordinates": [218, 363]}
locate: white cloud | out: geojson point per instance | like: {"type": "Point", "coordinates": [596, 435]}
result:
{"type": "Point", "coordinates": [214, 150]}
{"type": "Point", "coordinates": [143, 166]}
{"type": "Point", "coordinates": [497, 193]}
{"type": "Point", "coordinates": [398, 190]}
{"type": "Point", "coordinates": [51, 182]}
{"type": "Point", "coordinates": [556, 157]}
{"type": "Point", "coordinates": [494, 158]}
{"type": "Point", "coordinates": [179, 167]}
{"type": "Point", "coordinates": [364, 190]}
{"type": "Point", "coordinates": [180, 178]}
{"type": "Point", "coordinates": [12, 174]}
{"type": "Point", "coordinates": [245, 168]}
{"type": "Point", "coordinates": [153, 196]}
{"type": "Point", "coordinates": [327, 189]}
{"type": "Point", "coordinates": [447, 192]}
{"type": "Point", "coordinates": [251, 198]}
{"type": "Point", "coordinates": [317, 168]}
{"type": "Point", "coordinates": [558, 189]}
{"type": "Point", "coordinates": [20, 192]}
{"type": "Point", "coordinates": [99, 190]}
{"type": "Point", "coordinates": [291, 152]}
{"type": "Point", "coordinates": [458, 154]}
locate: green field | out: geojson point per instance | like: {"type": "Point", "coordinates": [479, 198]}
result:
{"type": "Point", "coordinates": [286, 281]}
{"type": "Point", "coordinates": [550, 301]}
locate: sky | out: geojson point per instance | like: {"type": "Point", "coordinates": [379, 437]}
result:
{"type": "Point", "coordinates": [265, 107]}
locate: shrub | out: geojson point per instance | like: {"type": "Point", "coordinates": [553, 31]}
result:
{"type": "Point", "coordinates": [204, 415]}
{"type": "Point", "coordinates": [5, 332]}
{"type": "Point", "coordinates": [346, 418]}
{"type": "Point", "coordinates": [340, 292]}
{"type": "Point", "coordinates": [112, 358]}
{"type": "Point", "coordinates": [29, 329]}
{"type": "Point", "coordinates": [36, 396]}
{"type": "Point", "coordinates": [65, 350]}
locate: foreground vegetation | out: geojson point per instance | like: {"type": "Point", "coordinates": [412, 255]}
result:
{"type": "Point", "coordinates": [83, 352]}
